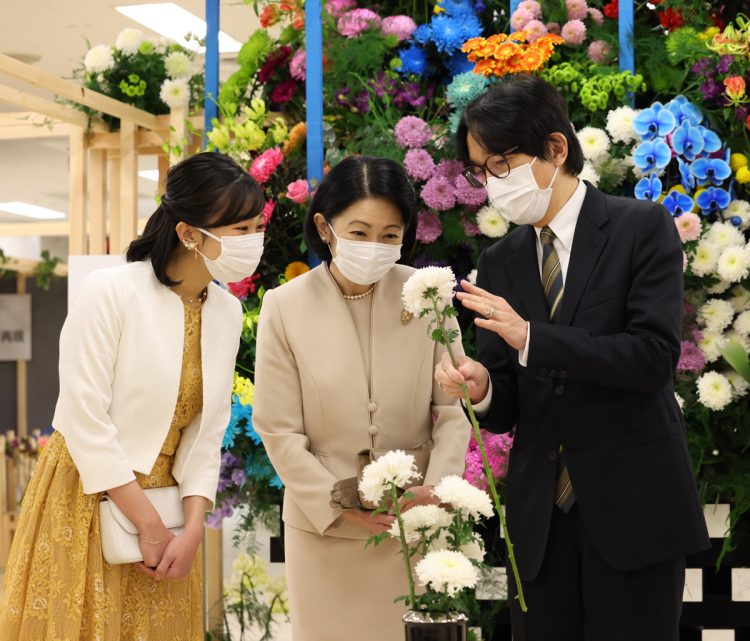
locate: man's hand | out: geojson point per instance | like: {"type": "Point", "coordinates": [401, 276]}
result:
{"type": "Point", "coordinates": [373, 523]}
{"type": "Point", "coordinates": [420, 495]}
{"type": "Point", "coordinates": [469, 373]}
{"type": "Point", "coordinates": [496, 315]}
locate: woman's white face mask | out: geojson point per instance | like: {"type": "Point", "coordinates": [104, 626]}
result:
{"type": "Point", "coordinates": [364, 263]}
{"type": "Point", "coordinates": [239, 256]}
{"type": "Point", "coordinates": [518, 196]}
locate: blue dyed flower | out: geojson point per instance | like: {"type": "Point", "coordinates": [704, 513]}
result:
{"type": "Point", "coordinates": [712, 200]}
{"type": "Point", "coordinates": [648, 188]}
{"type": "Point", "coordinates": [413, 60]}
{"type": "Point", "coordinates": [688, 141]}
{"type": "Point", "coordinates": [450, 32]}
{"type": "Point", "coordinates": [711, 142]}
{"type": "Point", "coordinates": [457, 7]}
{"type": "Point", "coordinates": [710, 170]}
{"type": "Point", "coordinates": [459, 63]}
{"type": "Point", "coordinates": [656, 121]}
{"type": "Point", "coordinates": [678, 203]}
{"type": "Point", "coordinates": [684, 110]}
{"type": "Point", "coordinates": [652, 154]}
{"type": "Point", "coordinates": [276, 482]}
{"type": "Point", "coordinates": [232, 432]}
{"type": "Point", "coordinates": [686, 176]}
{"type": "Point", "coordinates": [423, 33]}
{"type": "Point", "coordinates": [464, 88]}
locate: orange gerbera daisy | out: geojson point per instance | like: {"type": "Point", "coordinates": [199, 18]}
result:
{"type": "Point", "coordinates": [487, 67]}
{"type": "Point", "coordinates": [297, 268]}
{"type": "Point", "coordinates": [519, 36]}
{"type": "Point", "coordinates": [506, 50]}
{"type": "Point", "coordinates": [486, 50]}
{"type": "Point", "coordinates": [472, 45]}
{"type": "Point", "coordinates": [497, 38]}
{"type": "Point", "coordinates": [533, 59]}
{"type": "Point", "coordinates": [515, 63]}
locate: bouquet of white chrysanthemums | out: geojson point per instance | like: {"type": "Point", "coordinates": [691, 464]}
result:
{"type": "Point", "coordinates": [441, 536]}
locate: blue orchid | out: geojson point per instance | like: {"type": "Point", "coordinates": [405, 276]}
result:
{"type": "Point", "coordinates": [678, 203]}
{"type": "Point", "coordinates": [711, 141]}
{"type": "Point", "coordinates": [648, 188]}
{"type": "Point", "coordinates": [656, 121]}
{"type": "Point", "coordinates": [684, 110]}
{"type": "Point", "coordinates": [688, 141]}
{"type": "Point", "coordinates": [710, 170]}
{"type": "Point", "coordinates": [713, 199]}
{"type": "Point", "coordinates": [652, 154]}
{"type": "Point", "coordinates": [686, 176]}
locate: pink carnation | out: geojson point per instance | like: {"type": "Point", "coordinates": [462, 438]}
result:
{"type": "Point", "coordinates": [573, 32]}
{"type": "Point", "coordinates": [419, 164]}
{"type": "Point", "coordinates": [688, 226]}
{"type": "Point", "coordinates": [596, 16]}
{"type": "Point", "coordinates": [354, 22]}
{"type": "Point", "coordinates": [577, 9]}
{"type": "Point", "coordinates": [468, 195]}
{"type": "Point", "coordinates": [451, 169]}
{"type": "Point", "coordinates": [520, 19]}
{"type": "Point", "coordinates": [268, 211]}
{"type": "Point", "coordinates": [400, 26]}
{"type": "Point", "coordinates": [498, 448]}
{"type": "Point", "coordinates": [298, 191]}
{"type": "Point", "coordinates": [338, 8]}
{"type": "Point", "coordinates": [429, 226]}
{"type": "Point", "coordinates": [265, 164]}
{"type": "Point", "coordinates": [692, 358]}
{"type": "Point", "coordinates": [438, 193]}
{"type": "Point", "coordinates": [599, 51]}
{"type": "Point", "coordinates": [532, 7]}
{"type": "Point", "coordinates": [553, 27]}
{"type": "Point", "coordinates": [298, 66]}
{"type": "Point", "coordinates": [536, 30]}
{"type": "Point", "coordinates": [412, 132]}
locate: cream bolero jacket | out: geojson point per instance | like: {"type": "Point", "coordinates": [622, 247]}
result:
{"type": "Point", "coordinates": [312, 408]}
{"type": "Point", "coordinates": [120, 364]}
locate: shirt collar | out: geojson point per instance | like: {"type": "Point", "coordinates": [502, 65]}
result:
{"type": "Point", "coordinates": [564, 224]}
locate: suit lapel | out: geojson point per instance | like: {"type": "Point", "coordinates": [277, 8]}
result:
{"type": "Point", "coordinates": [588, 242]}
{"type": "Point", "coordinates": [523, 265]}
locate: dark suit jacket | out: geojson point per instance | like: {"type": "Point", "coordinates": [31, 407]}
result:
{"type": "Point", "coordinates": [599, 382]}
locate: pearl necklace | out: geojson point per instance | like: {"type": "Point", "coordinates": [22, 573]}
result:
{"type": "Point", "coordinates": [193, 301]}
{"type": "Point", "coordinates": [359, 296]}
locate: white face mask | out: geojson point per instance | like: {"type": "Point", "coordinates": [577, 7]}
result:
{"type": "Point", "coordinates": [239, 257]}
{"type": "Point", "coordinates": [364, 263]}
{"type": "Point", "coordinates": [518, 197]}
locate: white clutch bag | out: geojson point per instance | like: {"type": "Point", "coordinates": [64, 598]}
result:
{"type": "Point", "coordinates": [120, 536]}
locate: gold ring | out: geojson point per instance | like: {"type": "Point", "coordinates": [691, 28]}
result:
{"type": "Point", "coordinates": [489, 313]}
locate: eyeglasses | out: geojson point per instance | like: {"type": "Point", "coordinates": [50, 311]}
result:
{"type": "Point", "coordinates": [496, 165]}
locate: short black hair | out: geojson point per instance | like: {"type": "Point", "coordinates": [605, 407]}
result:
{"type": "Point", "coordinates": [206, 190]}
{"type": "Point", "coordinates": [356, 178]}
{"type": "Point", "coordinates": [521, 112]}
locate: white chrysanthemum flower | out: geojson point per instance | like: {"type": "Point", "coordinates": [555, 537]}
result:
{"type": "Point", "coordinates": [741, 209]}
{"type": "Point", "coordinates": [719, 288]}
{"type": "Point", "coordinates": [738, 383]}
{"type": "Point", "coordinates": [716, 314]}
{"type": "Point", "coordinates": [742, 323]}
{"type": "Point", "coordinates": [463, 496]}
{"type": "Point", "coordinates": [472, 277]}
{"type": "Point", "coordinates": [711, 345]}
{"type": "Point", "coordinates": [175, 93]}
{"type": "Point", "coordinates": [446, 571]}
{"type": "Point", "coordinates": [740, 299]}
{"type": "Point", "coordinates": [491, 222]}
{"type": "Point", "coordinates": [99, 59]}
{"type": "Point", "coordinates": [734, 264]}
{"type": "Point", "coordinates": [680, 400]}
{"type": "Point", "coordinates": [421, 519]}
{"type": "Point", "coordinates": [178, 65]}
{"type": "Point", "coordinates": [615, 169]}
{"type": "Point", "coordinates": [474, 549]}
{"type": "Point", "coordinates": [438, 282]}
{"type": "Point", "coordinates": [705, 258]}
{"type": "Point", "coordinates": [725, 235]}
{"type": "Point", "coordinates": [393, 468]}
{"type": "Point", "coordinates": [714, 391]}
{"type": "Point", "coordinates": [620, 124]}
{"type": "Point", "coordinates": [589, 173]}
{"type": "Point", "coordinates": [129, 40]}
{"type": "Point", "coordinates": [594, 143]}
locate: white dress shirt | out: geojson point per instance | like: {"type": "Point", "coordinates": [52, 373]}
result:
{"type": "Point", "coordinates": [563, 225]}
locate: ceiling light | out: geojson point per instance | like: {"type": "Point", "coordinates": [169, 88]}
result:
{"type": "Point", "coordinates": [174, 22]}
{"type": "Point", "coordinates": [149, 174]}
{"type": "Point", "coordinates": [31, 211]}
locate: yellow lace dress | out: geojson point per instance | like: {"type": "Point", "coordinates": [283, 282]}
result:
{"type": "Point", "coordinates": [57, 585]}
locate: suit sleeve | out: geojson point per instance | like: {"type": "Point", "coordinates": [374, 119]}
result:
{"type": "Point", "coordinates": [278, 419]}
{"type": "Point", "coordinates": [451, 429]}
{"type": "Point", "coordinates": [88, 352]}
{"type": "Point", "coordinates": [644, 355]}
{"type": "Point", "coordinates": [498, 358]}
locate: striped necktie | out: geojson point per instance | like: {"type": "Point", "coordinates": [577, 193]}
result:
{"type": "Point", "coordinates": [552, 281]}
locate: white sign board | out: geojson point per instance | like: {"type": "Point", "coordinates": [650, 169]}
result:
{"type": "Point", "coordinates": [15, 327]}
{"type": "Point", "coordinates": [81, 266]}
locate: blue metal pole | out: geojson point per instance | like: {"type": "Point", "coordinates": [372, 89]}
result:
{"type": "Point", "coordinates": [212, 66]}
{"type": "Point", "coordinates": [314, 96]}
{"type": "Point", "coordinates": [627, 53]}
{"type": "Point", "coordinates": [514, 5]}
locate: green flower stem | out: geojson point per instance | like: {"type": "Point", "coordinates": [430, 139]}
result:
{"type": "Point", "coordinates": [485, 463]}
{"type": "Point", "coordinates": [404, 546]}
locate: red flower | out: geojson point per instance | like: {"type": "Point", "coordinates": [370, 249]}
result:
{"type": "Point", "coordinates": [284, 91]}
{"type": "Point", "coordinates": [275, 59]}
{"type": "Point", "coordinates": [268, 211]}
{"type": "Point", "coordinates": [747, 122]}
{"type": "Point", "coordinates": [671, 19]}
{"type": "Point", "coordinates": [244, 287]}
{"type": "Point", "coordinates": [269, 16]}
{"type": "Point", "coordinates": [298, 22]}
{"type": "Point", "coordinates": [612, 9]}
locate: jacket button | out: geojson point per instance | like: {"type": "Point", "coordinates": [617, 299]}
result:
{"type": "Point", "coordinates": [372, 430]}
{"type": "Point", "coordinates": [559, 390]}
{"type": "Point", "coordinates": [551, 455]}
{"type": "Point", "coordinates": [371, 407]}
{"type": "Point", "coordinates": [553, 373]}
{"type": "Point", "coordinates": [543, 372]}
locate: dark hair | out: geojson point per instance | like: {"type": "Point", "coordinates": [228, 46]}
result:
{"type": "Point", "coordinates": [354, 179]}
{"type": "Point", "coordinates": [520, 112]}
{"type": "Point", "coordinates": [206, 190]}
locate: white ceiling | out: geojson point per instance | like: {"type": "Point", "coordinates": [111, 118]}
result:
{"type": "Point", "coordinates": [56, 32]}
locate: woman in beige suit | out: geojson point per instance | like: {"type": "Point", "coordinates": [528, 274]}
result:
{"type": "Point", "coordinates": [340, 369]}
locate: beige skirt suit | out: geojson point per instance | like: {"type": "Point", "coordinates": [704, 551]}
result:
{"type": "Point", "coordinates": [333, 377]}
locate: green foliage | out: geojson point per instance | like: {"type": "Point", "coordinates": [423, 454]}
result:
{"type": "Point", "coordinates": [45, 270]}
{"type": "Point", "coordinates": [250, 57]}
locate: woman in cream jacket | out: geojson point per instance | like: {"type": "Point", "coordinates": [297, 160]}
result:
{"type": "Point", "coordinates": [341, 369]}
{"type": "Point", "coordinates": [146, 366]}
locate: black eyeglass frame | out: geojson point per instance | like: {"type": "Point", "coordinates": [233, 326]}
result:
{"type": "Point", "coordinates": [466, 172]}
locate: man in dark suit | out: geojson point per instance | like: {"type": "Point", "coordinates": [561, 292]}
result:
{"type": "Point", "coordinates": [579, 318]}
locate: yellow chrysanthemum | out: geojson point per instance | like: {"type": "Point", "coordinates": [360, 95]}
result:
{"type": "Point", "coordinates": [244, 389]}
{"type": "Point", "coordinates": [743, 175]}
{"type": "Point", "coordinates": [737, 160]}
{"type": "Point", "coordinates": [297, 268]}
